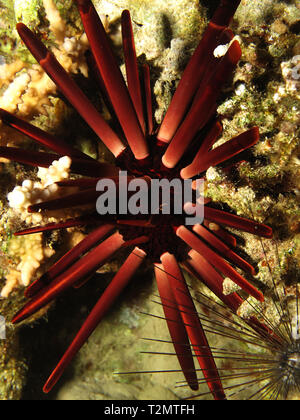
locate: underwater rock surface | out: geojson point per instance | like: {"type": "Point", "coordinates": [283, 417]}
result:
{"type": "Point", "coordinates": [264, 92]}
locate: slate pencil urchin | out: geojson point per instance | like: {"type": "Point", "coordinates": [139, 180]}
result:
{"type": "Point", "coordinates": [180, 148]}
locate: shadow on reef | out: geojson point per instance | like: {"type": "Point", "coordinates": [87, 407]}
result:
{"type": "Point", "coordinates": [44, 342]}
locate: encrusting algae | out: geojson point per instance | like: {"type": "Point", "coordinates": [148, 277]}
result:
{"type": "Point", "coordinates": [264, 92]}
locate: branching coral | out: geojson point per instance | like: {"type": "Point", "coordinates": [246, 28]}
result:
{"type": "Point", "coordinates": [35, 192]}
{"type": "Point", "coordinates": [26, 89]}
{"type": "Point", "coordinates": [33, 251]}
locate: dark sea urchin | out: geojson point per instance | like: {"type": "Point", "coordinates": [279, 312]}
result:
{"type": "Point", "coordinates": [181, 148]}
{"type": "Point", "coordinates": [255, 364]}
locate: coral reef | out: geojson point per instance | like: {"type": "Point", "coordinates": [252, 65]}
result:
{"type": "Point", "coordinates": [26, 89]}
{"type": "Point", "coordinates": [264, 92]}
{"type": "Point", "coordinates": [31, 250]}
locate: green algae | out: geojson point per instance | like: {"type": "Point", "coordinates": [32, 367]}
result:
{"type": "Point", "coordinates": [13, 365]}
{"type": "Point", "coordinates": [13, 368]}
{"type": "Point", "coordinates": [12, 12]}
{"type": "Point", "coordinates": [27, 11]}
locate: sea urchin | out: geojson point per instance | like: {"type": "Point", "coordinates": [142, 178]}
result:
{"type": "Point", "coordinates": [181, 148]}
